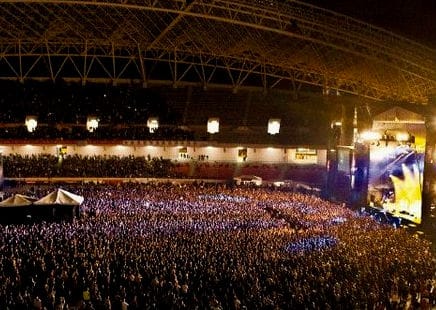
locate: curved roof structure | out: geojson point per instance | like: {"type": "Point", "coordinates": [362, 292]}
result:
{"type": "Point", "coordinates": [232, 43]}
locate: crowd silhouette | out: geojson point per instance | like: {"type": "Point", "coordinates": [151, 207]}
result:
{"type": "Point", "coordinates": [199, 246]}
{"type": "Point", "coordinates": [45, 165]}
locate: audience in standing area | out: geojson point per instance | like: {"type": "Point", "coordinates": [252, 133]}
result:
{"type": "Point", "coordinates": [173, 246]}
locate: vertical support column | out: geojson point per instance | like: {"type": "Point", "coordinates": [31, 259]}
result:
{"type": "Point", "coordinates": [359, 175]}
{"type": "Point", "coordinates": [332, 142]}
{"type": "Point", "coordinates": [347, 121]}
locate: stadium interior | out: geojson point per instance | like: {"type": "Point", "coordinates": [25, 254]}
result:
{"type": "Point", "coordinates": [213, 155]}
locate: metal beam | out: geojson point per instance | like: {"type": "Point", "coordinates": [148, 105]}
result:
{"type": "Point", "coordinates": [173, 23]}
{"type": "Point", "coordinates": [237, 37]}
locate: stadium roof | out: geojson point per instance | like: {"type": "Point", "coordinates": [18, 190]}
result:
{"type": "Point", "coordinates": [212, 43]}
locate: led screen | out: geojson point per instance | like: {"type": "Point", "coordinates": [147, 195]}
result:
{"type": "Point", "coordinates": [395, 179]}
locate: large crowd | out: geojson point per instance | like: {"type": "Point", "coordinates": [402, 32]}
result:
{"type": "Point", "coordinates": [130, 166]}
{"type": "Point", "coordinates": [45, 165]}
{"type": "Point", "coordinates": [199, 246]}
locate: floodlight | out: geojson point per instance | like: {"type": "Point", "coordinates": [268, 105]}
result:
{"type": "Point", "coordinates": [153, 124]}
{"type": "Point", "coordinates": [273, 126]}
{"type": "Point", "coordinates": [91, 123]}
{"type": "Point", "coordinates": [31, 123]}
{"type": "Point", "coordinates": [213, 125]}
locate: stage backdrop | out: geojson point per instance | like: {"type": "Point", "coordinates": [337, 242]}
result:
{"type": "Point", "coordinates": [396, 164]}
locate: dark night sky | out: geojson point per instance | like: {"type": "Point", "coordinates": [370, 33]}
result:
{"type": "Point", "coordinates": [414, 19]}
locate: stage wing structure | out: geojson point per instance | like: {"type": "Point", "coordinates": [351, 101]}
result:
{"type": "Point", "coordinates": [211, 43]}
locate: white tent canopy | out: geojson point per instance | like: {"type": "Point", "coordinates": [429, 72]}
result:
{"type": "Point", "coordinates": [61, 197]}
{"type": "Point", "coordinates": [17, 200]}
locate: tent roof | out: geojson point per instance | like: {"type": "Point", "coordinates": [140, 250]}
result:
{"type": "Point", "coordinates": [61, 197]}
{"type": "Point", "coordinates": [17, 200]}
